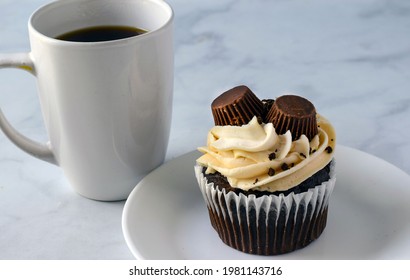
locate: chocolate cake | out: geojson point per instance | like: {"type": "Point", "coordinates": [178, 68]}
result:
{"type": "Point", "coordinates": [222, 183]}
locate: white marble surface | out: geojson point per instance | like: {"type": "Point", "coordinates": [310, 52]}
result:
{"type": "Point", "coordinates": [351, 58]}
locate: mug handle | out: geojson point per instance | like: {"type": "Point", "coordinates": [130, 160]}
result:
{"type": "Point", "coordinates": [42, 151]}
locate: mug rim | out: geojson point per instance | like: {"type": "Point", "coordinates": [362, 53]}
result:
{"type": "Point", "coordinates": [148, 34]}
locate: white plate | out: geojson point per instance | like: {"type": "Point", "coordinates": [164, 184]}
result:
{"type": "Point", "coordinates": [165, 216]}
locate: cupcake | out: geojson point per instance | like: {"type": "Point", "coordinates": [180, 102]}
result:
{"type": "Point", "coordinates": [267, 172]}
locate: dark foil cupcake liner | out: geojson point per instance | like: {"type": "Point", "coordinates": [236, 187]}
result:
{"type": "Point", "coordinates": [270, 224]}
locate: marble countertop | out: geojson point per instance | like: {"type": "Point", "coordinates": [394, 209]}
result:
{"type": "Point", "coordinates": [350, 58]}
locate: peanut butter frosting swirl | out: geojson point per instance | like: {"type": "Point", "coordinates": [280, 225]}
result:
{"type": "Point", "coordinates": [254, 156]}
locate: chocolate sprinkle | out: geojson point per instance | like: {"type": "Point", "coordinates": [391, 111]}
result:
{"type": "Point", "coordinates": [256, 180]}
{"type": "Point", "coordinates": [329, 149]}
{"type": "Point", "coordinates": [284, 166]}
{"type": "Point", "coordinates": [272, 156]}
{"type": "Point", "coordinates": [271, 172]}
{"type": "Point", "coordinates": [302, 155]}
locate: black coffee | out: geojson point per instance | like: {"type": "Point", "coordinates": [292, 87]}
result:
{"type": "Point", "coordinates": [101, 33]}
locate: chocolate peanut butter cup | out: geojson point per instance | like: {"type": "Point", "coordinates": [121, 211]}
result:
{"type": "Point", "coordinates": [294, 113]}
{"type": "Point", "coordinates": [236, 106]}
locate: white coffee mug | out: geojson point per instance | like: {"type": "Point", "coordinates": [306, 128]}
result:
{"type": "Point", "coordinates": [106, 105]}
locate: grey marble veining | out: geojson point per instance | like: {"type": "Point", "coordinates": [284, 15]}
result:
{"type": "Point", "coordinates": [350, 58]}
